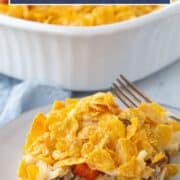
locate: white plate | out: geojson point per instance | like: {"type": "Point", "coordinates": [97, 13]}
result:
{"type": "Point", "coordinates": [12, 137]}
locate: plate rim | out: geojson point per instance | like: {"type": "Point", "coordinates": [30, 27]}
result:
{"type": "Point", "coordinates": [23, 117]}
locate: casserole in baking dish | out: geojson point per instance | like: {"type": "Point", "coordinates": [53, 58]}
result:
{"type": "Point", "coordinates": [89, 58]}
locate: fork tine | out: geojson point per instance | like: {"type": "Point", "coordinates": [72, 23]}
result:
{"type": "Point", "coordinates": [123, 97]}
{"type": "Point", "coordinates": [137, 90]}
{"type": "Point", "coordinates": [119, 97]}
{"type": "Point", "coordinates": [128, 90]}
{"type": "Point", "coordinates": [116, 93]}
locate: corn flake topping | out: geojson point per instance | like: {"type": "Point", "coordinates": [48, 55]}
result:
{"type": "Point", "coordinates": [126, 144]}
{"type": "Point", "coordinates": [77, 15]}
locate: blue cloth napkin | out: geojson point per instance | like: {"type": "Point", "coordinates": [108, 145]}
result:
{"type": "Point", "coordinates": [18, 96]}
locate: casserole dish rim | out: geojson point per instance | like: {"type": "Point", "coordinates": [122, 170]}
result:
{"type": "Point", "coordinates": [33, 26]}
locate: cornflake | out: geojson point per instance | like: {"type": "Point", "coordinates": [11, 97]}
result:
{"type": "Point", "coordinates": [93, 132]}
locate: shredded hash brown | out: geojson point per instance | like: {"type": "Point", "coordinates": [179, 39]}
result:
{"type": "Point", "coordinates": [126, 144]}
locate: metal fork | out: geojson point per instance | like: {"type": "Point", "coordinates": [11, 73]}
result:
{"type": "Point", "coordinates": [131, 96]}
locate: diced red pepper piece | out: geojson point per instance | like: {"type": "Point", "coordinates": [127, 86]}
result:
{"type": "Point", "coordinates": [84, 172]}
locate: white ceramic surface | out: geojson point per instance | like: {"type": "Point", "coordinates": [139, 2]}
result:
{"type": "Point", "coordinates": [12, 138]}
{"type": "Point", "coordinates": [89, 58]}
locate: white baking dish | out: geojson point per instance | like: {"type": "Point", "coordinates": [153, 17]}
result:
{"type": "Point", "coordinates": [89, 58]}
